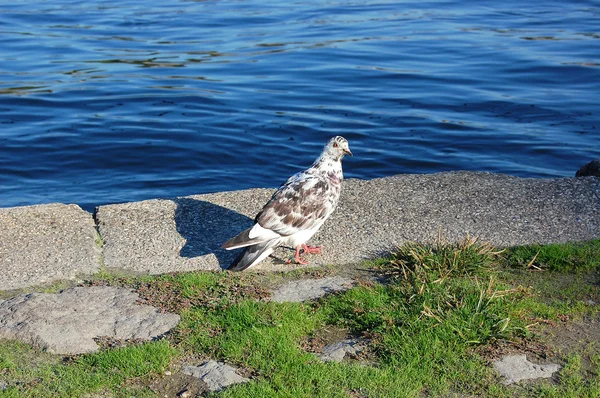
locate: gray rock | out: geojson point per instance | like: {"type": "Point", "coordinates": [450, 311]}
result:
{"type": "Point", "coordinates": [373, 217]}
{"type": "Point", "coordinates": [515, 368]}
{"type": "Point", "coordinates": [337, 351]}
{"type": "Point", "coordinates": [216, 375]}
{"type": "Point", "coordinates": [3, 387]}
{"type": "Point", "coordinates": [44, 243]}
{"type": "Point", "coordinates": [66, 323]}
{"type": "Point", "coordinates": [310, 289]}
{"type": "Point", "coordinates": [590, 169]}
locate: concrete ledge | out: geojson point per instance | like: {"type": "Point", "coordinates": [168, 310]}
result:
{"type": "Point", "coordinates": [373, 217]}
{"type": "Point", "coordinates": [181, 234]}
{"type": "Point", "coordinates": [43, 243]}
{"type": "Point", "coordinates": [48, 242]}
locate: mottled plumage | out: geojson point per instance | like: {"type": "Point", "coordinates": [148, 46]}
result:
{"type": "Point", "coordinates": [296, 211]}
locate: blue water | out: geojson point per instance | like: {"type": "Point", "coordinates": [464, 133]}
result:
{"type": "Point", "coordinates": [108, 101]}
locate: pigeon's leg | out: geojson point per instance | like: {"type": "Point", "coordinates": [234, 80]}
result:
{"type": "Point", "coordinates": [312, 249]}
{"type": "Point", "coordinates": [297, 258]}
{"type": "Point", "coordinates": [307, 249]}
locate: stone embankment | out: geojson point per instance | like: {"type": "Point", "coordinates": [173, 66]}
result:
{"type": "Point", "coordinates": [44, 243]}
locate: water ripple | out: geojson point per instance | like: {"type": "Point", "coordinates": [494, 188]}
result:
{"type": "Point", "coordinates": [108, 102]}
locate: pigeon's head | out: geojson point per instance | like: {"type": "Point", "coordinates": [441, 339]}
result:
{"type": "Point", "coordinates": [337, 147]}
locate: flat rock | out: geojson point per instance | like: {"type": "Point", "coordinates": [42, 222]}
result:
{"type": "Point", "coordinates": [337, 351]}
{"type": "Point", "coordinates": [310, 289]}
{"type": "Point", "coordinates": [217, 375]}
{"type": "Point", "coordinates": [515, 368]}
{"type": "Point", "coordinates": [373, 217]}
{"type": "Point", "coordinates": [44, 243]}
{"type": "Point", "coordinates": [66, 323]}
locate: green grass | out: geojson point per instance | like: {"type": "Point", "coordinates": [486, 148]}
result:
{"type": "Point", "coordinates": [99, 241]}
{"type": "Point", "coordinates": [421, 328]}
{"type": "Point", "coordinates": [569, 257]}
{"type": "Point", "coordinates": [266, 338]}
{"type": "Point", "coordinates": [37, 374]}
{"type": "Point", "coordinates": [427, 327]}
{"type": "Point", "coordinates": [553, 295]}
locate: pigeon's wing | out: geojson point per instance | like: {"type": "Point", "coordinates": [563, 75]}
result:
{"type": "Point", "coordinates": [257, 233]}
{"type": "Point", "coordinates": [303, 203]}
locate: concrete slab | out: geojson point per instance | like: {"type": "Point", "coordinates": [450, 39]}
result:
{"type": "Point", "coordinates": [373, 217]}
{"type": "Point", "coordinates": [181, 234]}
{"type": "Point", "coordinates": [515, 368]}
{"type": "Point", "coordinates": [310, 289]}
{"type": "Point", "coordinates": [67, 323]}
{"type": "Point", "coordinates": [216, 375]}
{"type": "Point", "coordinates": [44, 243]}
{"type": "Point", "coordinates": [336, 352]}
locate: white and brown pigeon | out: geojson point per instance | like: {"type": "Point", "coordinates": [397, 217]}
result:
{"type": "Point", "coordinates": [296, 211]}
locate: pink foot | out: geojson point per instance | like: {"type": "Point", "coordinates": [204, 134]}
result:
{"type": "Point", "coordinates": [297, 258]}
{"type": "Point", "coordinates": [312, 249]}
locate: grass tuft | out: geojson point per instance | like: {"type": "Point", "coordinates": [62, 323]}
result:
{"type": "Point", "coordinates": [436, 262]}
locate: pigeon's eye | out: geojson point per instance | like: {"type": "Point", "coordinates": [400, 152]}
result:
{"type": "Point", "coordinates": [335, 144]}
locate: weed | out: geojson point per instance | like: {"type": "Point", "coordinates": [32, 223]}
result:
{"type": "Point", "coordinates": [99, 241]}
{"type": "Point", "coordinates": [423, 263]}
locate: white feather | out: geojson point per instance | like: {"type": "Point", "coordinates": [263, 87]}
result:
{"type": "Point", "coordinates": [263, 234]}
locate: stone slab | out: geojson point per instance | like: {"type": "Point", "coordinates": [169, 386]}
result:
{"type": "Point", "coordinates": [337, 351]}
{"type": "Point", "coordinates": [67, 323]}
{"type": "Point", "coordinates": [44, 243]}
{"type": "Point", "coordinates": [310, 289]}
{"type": "Point", "coordinates": [515, 368]}
{"type": "Point", "coordinates": [216, 375]}
{"type": "Point", "coordinates": [373, 217]}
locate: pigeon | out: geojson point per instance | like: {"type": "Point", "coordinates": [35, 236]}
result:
{"type": "Point", "coordinates": [295, 211]}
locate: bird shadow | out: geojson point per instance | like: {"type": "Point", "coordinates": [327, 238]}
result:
{"type": "Point", "coordinates": [206, 226]}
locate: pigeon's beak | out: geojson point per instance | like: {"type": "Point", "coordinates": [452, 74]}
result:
{"type": "Point", "coordinates": [347, 151]}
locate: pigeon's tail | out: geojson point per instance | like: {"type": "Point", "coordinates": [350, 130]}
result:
{"type": "Point", "coordinates": [241, 240]}
{"type": "Point", "coordinates": [251, 236]}
{"type": "Point", "coordinates": [252, 255]}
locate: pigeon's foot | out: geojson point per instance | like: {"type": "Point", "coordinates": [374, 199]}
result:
{"type": "Point", "coordinates": [312, 249]}
{"type": "Point", "coordinates": [297, 258]}
{"type": "Point", "coordinates": [307, 249]}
